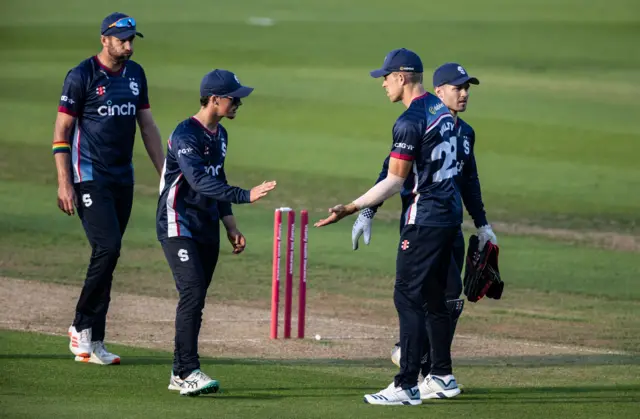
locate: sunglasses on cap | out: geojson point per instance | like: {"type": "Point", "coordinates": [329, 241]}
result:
{"type": "Point", "coordinates": [125, 22]}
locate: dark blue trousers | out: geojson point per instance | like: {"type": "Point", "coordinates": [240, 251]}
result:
{"type": "Point", "coordinates": [422, 268]}
{"type": "Point", "coordinates": [452, 292]}
{"type": "Point", "coordinates": [193, 265]}
{"type": "Point", "coordinates": [104, 210]}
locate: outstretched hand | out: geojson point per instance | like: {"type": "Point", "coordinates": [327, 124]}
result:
{"type": "Point", "coordinates": [261, 190]}
{"type": "Point", "coordinates": [337, 213]}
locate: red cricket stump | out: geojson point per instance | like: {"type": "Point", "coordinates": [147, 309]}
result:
{"type": "Point", "coordinates": [275, 280]}
{"type": "Point", "coordinates": [288, 285]}
{"type": "Point", "coordinates": [302, 288]}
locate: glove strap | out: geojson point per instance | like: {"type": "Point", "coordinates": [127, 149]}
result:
{"type": "Point", "coordinates": [368, 213]}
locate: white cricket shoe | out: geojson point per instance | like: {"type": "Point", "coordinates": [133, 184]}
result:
{"type": "Point", "coordinates": [175, 382]}
{"type": "Point", "coordinates": [395, 358]}
{"type": "Point", "coordinates": [198, 383]}
{"type": "Point", "coordinates": [438, 387]}
{"type": "Point", "coordinates": [80, 342]}
{"type": "Point", "coordinates": [395, 396]}
{"type": "Point", "coordinates": [100, 355]}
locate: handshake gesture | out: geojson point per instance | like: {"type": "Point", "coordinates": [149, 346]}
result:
{"type": "Point", "coordinates": [337, 213]}
{"type": "Point", "coordinates": [262, 190]}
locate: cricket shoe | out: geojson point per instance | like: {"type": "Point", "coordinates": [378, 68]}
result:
{"type": "Point", "coordinates": [100, 355]}
{"type": "Point", "coordinates": [175, 382]}
{"type": "Point", "coordinates": [395, 358]}
{"type": "Point", "coordinates": [80, 342]}
{"type": "Point", "coordinates": [198, 383]}
{"type": "Point", "coordinates": [438, 387]}
{"type": "Point", "coordinates": [395, 396]}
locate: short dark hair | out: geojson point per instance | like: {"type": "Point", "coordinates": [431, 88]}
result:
{"type": "Point", "coordinates": [413, 77]}
{"type": "Point", "coordinates": [204, 100]}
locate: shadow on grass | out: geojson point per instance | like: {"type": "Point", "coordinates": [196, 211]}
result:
{"type": "Point", "coordinates": [294, 393]}
{"type": "Point", "coordinates": [559, 390]}
{"type": "Point", "coordinates": [36, 356]}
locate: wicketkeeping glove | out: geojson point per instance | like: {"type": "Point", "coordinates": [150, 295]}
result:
{"type": "Point", "coordinates": [361, 226]}
{"type": "Point", "coordinates": [486, 234]}
{"type": "Point", "coordinates": [482, 276]}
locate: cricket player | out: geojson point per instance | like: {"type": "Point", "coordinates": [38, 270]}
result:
{"type": "Point", "coordinates": [451, 83]}
{"type": "Point", "coordinates": [422, 155]}
{"type": "Point", "coordinates": [194, 198]}
{"type": "Point", "coordinates": [102, 99]}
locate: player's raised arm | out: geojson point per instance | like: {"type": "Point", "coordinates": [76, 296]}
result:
{"type": "Point", "coordinates": [406, 140]}
{"type": "Point", "coordinates": [192, 165]}
{"type": "Point", "coordinates": [381, 176]}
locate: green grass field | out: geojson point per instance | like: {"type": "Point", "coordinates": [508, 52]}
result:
{"type": "Point", "coordinates": [526, 388]}
{"type": "Point", "coordinates": [557, 147]}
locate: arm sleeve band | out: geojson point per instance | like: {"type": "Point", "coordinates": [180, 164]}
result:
{"type": "Point", "coordinates": [381, 191]}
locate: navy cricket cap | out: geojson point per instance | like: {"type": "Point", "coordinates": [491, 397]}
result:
{"type": "Point", "coordinates": [223, 83]}
{"type": "Point", "coordinates": [119, 25]}
{"type": "Point", "coordinates": [399, 60]}
{"type": "Point", "coordinates": [452, 73]}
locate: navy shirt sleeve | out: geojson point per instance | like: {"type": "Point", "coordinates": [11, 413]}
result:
{"type": "Point", "coordinates": [73, 93]}
{"type": "Point", "coordinates": [470, 190]}
{"type": "Point", "coordinates": [143, 100]}
{"type": "Point", "coordinates": [406, 140]}
{"type": "Point", "coordinates": [192, 165]}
